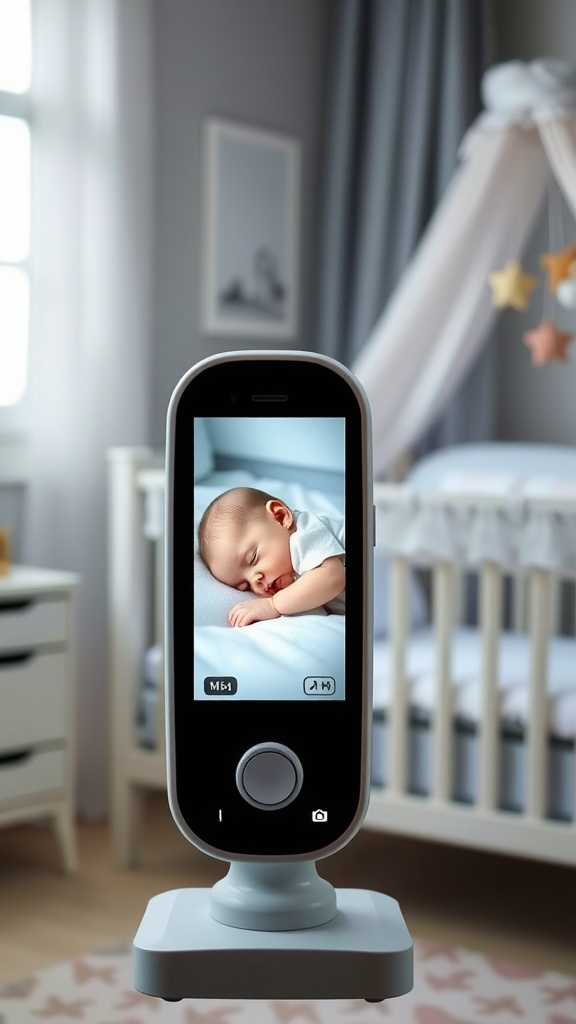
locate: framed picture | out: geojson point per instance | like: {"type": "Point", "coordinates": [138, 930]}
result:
{"type": "Point", "coordinates": [251, 199]}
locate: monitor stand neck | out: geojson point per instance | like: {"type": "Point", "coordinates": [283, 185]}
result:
{"type": "Point", "coordinates": [264, 896]}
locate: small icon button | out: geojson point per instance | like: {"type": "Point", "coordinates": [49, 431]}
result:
{"type": "Point", "coordinates": [319, 815]}
{"type": "Point", "coordinates": [319, 686]}
{"type": "Point", "coordinates": [220, 686]}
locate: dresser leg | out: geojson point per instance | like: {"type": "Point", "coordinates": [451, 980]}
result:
{"type": "Point", "coordinates": [66, 835]}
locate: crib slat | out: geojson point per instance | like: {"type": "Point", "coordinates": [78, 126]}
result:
{"type": "Point", "coordinates": [490, 626]}
{"type": "Point", "coordinates": [556, 605]}
{"type": "Point", "coordinates": [443, 620]}
{"type": "Point", "coordinates": [460, 597]}
{"type": "Point", "coordinates": [519, 623]}
{"type": "Point", "coordinates": [398, 711]}
{"type": "Point", "coordinates": [540, 600]}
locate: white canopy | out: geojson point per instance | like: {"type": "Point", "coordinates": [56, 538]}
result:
{"type": "Point", "coordinates": [441, 311]}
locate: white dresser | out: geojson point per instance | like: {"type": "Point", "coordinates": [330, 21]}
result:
{"type": "Point", "coordinates": [37, 701]}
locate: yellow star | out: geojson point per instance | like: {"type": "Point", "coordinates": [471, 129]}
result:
{"type": "Point", "coordinates": [547, 342]}
{"type": "Point", "coordinates": [511, 286]}
{"type": "Point", "coordinates": [558, 265]}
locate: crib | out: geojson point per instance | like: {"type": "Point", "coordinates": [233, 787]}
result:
{"type": "Point", "coordinates": [475, 664]}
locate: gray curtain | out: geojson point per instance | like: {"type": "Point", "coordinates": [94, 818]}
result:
{"type": "Point", "coordinates": [404, 87]}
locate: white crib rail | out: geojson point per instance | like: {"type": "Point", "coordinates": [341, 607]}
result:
{"type": "Point", "coordinates": [438, 816]}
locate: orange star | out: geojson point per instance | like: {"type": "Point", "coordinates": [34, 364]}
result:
{"type": "Point", "coordinates": [511, 286]}
{"type": "Point", "coordinates": [547, 342]}
{"type": "Point", "coordinates": [558, 265]}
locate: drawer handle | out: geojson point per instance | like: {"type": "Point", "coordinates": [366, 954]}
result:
{"type": "Point", "coordinates": [17, 605]}
{"type": "Point", "coordinates": [16, 657]}
{"type": "Point", "coordinates": [16, 757]}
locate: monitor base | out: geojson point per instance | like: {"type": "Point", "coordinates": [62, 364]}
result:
{"type": "Point", "coordinates": [364, 952]}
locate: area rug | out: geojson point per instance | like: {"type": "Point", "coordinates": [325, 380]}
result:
{"type": "Point", "coordinates": [452, 986]}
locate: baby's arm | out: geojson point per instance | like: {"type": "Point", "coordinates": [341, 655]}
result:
{"type": "Point", "coordinates": [311, 590]}
{"type": "Point", "coordinates": [314, 588]}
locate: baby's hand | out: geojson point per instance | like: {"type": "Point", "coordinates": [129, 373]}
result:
{"type": "Point", "coordinates": [252, 611]}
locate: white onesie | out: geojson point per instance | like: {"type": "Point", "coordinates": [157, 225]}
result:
{"type": "Point", "coordinates": [315, 539]}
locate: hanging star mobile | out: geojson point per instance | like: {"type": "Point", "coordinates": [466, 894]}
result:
{"type": "Point", "coordinates": [558, 265]}
{"type": "Point", "coordinates": [548, 343]}
{"type": "Point", "coordinates": [511, 286]}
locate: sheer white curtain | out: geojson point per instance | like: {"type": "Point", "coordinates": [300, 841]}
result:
{"type": "Point", "coordinates": [440, 314]}
{"type": "Point", "coordinates": [91, 332]}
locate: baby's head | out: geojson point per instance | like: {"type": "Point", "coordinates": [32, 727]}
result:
{"type": "Point", "coordinates": [244, 539]}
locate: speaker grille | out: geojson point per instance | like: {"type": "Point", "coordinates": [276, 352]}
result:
{"type": "Point", "coordinates": [269, 398]}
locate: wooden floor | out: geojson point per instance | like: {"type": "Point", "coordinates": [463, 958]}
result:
{"type": "Point", "coordinates": [513, 909]}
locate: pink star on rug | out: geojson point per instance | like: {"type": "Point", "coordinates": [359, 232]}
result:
{"type": "Point", "coordinates": [434, 1015]}
{"type": "Point", "coordinates": [547, 342]}
{"type": "Point", "coordinates": [514, 971]}
{"type": "Point", "coordinates": [219, 1015]}
{"type": "Point", "coordinates": [457, 981]}
{"type": "Point", "coordinates": [83, 971]}
{"type": "Point", "coordinates": [287, 1012]}
{"type": "Point", "coordinates": [508, 1004]}
{"type": "Point", "coordinates": [558, 995]}
{"type": "Point", "coordinates": [60, 1008]}
{"type": "Point", "coordinates": [431, 950]}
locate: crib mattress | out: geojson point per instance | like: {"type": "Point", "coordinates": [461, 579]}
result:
{"type": "Point", "coordinates": [514, 660]}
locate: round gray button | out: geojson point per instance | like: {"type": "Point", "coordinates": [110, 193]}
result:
{"type": "Point", "coordinates": [269, 776]}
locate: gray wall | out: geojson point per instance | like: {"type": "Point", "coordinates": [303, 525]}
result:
{"type": "Point", "coordinates": [536, 404]}
{"type": "Point", "coordinates": [259, 62]}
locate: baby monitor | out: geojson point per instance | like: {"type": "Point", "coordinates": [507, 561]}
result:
{"type": "Point", "coordinates": [268, 640]}
{"type": "Point", "coordinates": [269, 718]}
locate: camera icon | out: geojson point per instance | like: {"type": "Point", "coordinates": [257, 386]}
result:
{"type": "Point", "coordinates": [319, 815]}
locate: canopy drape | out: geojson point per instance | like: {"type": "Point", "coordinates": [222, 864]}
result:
{"type": "Point", "coordinates": [441, 312]}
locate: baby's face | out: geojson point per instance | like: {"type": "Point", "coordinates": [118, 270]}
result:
{"type": "Point", "coordinates": [255, 556]}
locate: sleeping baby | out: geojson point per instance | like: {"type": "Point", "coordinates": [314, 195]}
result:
{"type": "Point", "coordinates": [293, 561]}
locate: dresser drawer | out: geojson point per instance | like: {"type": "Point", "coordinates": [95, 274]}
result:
{"type": "Point", "coordinates": [27, 622]}
{"type": "Point", "coordinates": [33, 776]}
{"type": "Point", "coordinates": [32, 699]}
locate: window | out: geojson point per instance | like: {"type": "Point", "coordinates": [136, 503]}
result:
{"type": "Point", "coordinates": [15, 74]}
